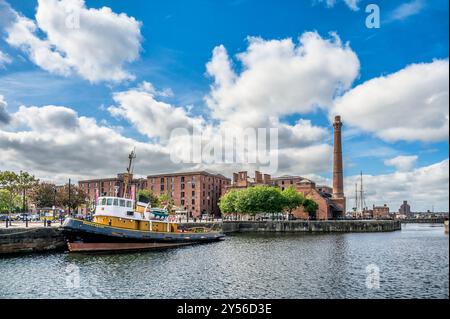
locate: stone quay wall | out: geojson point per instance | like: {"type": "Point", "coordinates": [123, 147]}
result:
{"type": "Point", "coordinates": [345, 226]}
{"type": "Point", "coordinates": [423, 221]}
{"type": "Point", "coordinates": [25, 240]}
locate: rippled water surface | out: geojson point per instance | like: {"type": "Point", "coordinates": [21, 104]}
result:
{"type": "Point", "coordinates": [412, 263]}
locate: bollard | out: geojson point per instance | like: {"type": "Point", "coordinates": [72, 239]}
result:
{"type": "Point", "coordinates": [7, 222]}
{"type": "Point", "coordinates": [26, 221]}
{"type": "Point", "coordinates": [45, 222]}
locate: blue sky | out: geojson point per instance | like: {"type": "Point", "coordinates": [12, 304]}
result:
{"type": "Point", "coordinates": [178, 38]}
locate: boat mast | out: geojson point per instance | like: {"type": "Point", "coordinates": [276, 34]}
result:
{"type": "Point", "coordinates": [127, 176]}
{"type": "Point", "coordinates": [361, 197]}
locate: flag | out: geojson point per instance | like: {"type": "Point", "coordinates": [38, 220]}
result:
{"type": "Point", "coordinates": [133, 192]}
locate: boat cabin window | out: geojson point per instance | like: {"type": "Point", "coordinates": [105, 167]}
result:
{"type": "Point", "coordinates": [103, 201]}
{"type": "Point", "coordinates": [129, 203]}
{"type": "Point", "coordinates": [122, 202]}
{"type": "Point", "coordinates": [116, 202]}
{"type": "Point", "coordinates": [109, 201]}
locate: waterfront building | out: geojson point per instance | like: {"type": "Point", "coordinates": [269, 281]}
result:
{"type": "Point", "coordinates": [286, 181]}
{"type": "Point", "coordinates": [380, 212]}
{"type": "Point", "coordinates": [113, 186]}
{"type": "Point", "coordinates": [243, 180]}
{"type": "Point", "coordinates": [197, 193]}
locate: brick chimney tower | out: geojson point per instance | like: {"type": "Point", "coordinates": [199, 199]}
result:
{"type": "Point", "coordinates": [338, 176]}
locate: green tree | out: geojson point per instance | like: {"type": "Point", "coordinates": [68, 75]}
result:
{"type": "Point", "coordinates": [227, 202]}
{"type": "Point", "coordinates": [9, 180]}
{"type": "Point", "coordinates": [146, 196]}
{"type": "Point", "coordinates": [25, 182]}
{"type": "Point", "coordinates": [292, 199]}
{"type": "Point", "coordinates": [310, 207]}
{"type": "Point", "coordinates": [260, 199]}
{"type": "Point", "coordinates": [9, 183]}
{"type": "Point", "coordinates": [8, 201]}
{"type": "Point", "coordinates": [44, 195]}
{"type": "Point", "coordinates": [166, 201]}
{"type": "Point", "coordinates": [77, 197]}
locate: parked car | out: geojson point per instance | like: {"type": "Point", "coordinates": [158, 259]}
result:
{"type": "Point", "coordinates": [15, 216]}
{"type": "Point", "coordinates": [25, 217]}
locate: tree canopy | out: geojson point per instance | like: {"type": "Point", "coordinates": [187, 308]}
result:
{"type": "Point", "coordinates": [165, 200]}
{"type": "Point", "coordinates": [76, 199]}
{"type": "Point", "coordinates": [146, 196]}
{"type": "Point", "coordinates": [264, 199]}
{"type": "Point", "coordinates": [227, 203]}
{"type": "Point", "coordinates": [293, 199]}
{"type": "Point", "coordinates": [44, 195]}
{"type": "Point", "coordinates": [310, 207]}
{"type": "Point", "coordinates": [8, 201]}
{"type": "Point", "coordinates": [17, 184]}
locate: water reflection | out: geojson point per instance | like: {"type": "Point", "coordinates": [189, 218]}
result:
{"type": "Point", "coordinates": [412, 263]}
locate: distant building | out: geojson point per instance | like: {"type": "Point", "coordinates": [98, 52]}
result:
{"type": "Point", "coordinates": [380, 212]}
{"type": "Point", "coordinates": [405, 209]}
{"type": "Point", "coordinates": [197, 193]}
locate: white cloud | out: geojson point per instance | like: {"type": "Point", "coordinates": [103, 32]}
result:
{"type": "Point", "coordinates": [411, 104]}
{"type": "Point", "coordinates": [96, 48]}
{"type": "Point", "coordinates": [149, 116]}
{"type": "Point", "coordinates": [314, 159]}
{"type": "Point", "coordinates": [279, 77]}
{"type": "Point", "coordinates": [352, 4]}
{"type": "Point", "coordinates": [402, 163]}
{"type": "Point", "coordinates": [302, 133]}
{"type": "Point", "coordinates": [4, 115]}
{"type": "Point", "coordinates": [4, 59]}
{"type": "Point", "coordinates": [406, 10]}
{"type": "Point", "coordinates": [422, 187]}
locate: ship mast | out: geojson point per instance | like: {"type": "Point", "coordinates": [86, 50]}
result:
{"type": "Point", "coordinates": [361, 195]}
{"type": "Point", "coordinates": [128, 175]}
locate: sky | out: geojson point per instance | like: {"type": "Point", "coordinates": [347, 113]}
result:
{"type": "Point", "coordinates": [84, 82]}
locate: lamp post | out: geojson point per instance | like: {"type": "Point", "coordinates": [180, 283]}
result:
{"type": "Point", "coordinates": [188, 212]}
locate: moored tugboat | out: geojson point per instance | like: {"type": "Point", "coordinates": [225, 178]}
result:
{"type": "Point", "coordinates": [121, 223]}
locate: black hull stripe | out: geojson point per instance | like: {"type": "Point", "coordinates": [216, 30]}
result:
{"type": "Point", "coordinates": [90, 232]}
